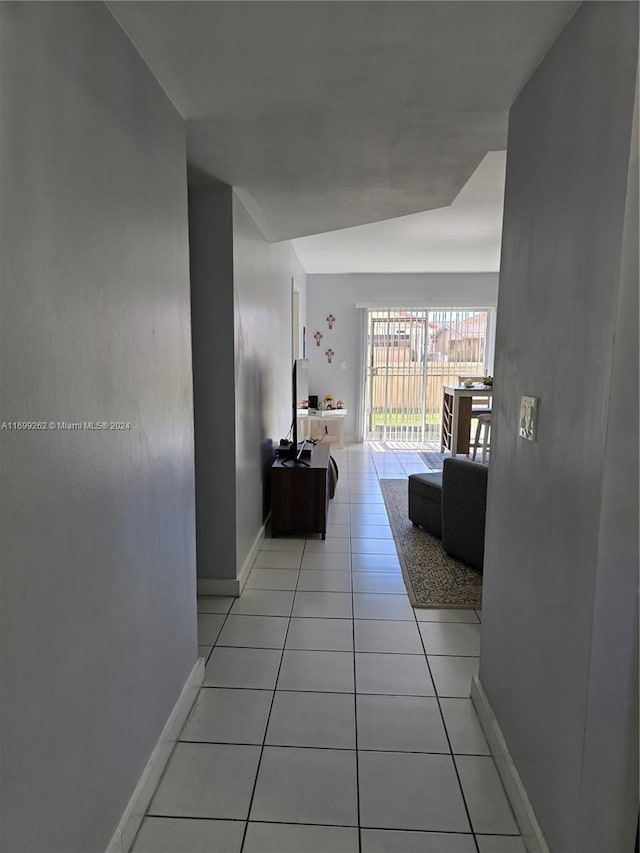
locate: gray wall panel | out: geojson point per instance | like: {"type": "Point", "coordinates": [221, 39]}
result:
{"type": "Point", "coordinates": [567, 165]}
{"type": "Point", "coordinates": [98, 627]}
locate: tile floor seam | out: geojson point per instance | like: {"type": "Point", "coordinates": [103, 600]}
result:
{"type": "Point", "coordinates": [266, 728]}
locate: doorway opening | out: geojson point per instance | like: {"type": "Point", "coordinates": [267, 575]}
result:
{"type": "Point", "coordinates": [410, 354]}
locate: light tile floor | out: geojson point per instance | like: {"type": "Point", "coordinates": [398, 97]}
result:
{"type": "Point", "coordinates": [333, 718]}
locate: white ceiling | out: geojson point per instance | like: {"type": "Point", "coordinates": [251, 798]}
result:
{"type": "Point", "coordinates": [463, 237]}
{"type": "Point", "coordinates": [329, 115]}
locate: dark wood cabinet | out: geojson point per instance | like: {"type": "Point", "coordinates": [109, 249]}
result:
{"type": "Point", "coordinates": [300, 494]}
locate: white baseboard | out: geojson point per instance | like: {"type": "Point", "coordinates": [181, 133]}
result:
{"type": "Point", "coordinates": [135, 811]}
{"type": "Point", "coordinates": [532, 834]}
{"type": "Point", "coordinates": [253, 553]}
{"type": "Point", "coordinates": [234, 586]}
{"type": "Point", "coordinates": [219, 586]}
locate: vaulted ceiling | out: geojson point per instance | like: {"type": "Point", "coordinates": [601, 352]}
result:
{"type": "Point", "coordinates": [329, 115]}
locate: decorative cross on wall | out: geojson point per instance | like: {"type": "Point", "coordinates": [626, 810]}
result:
{"type": "Point", "coordinates": [329, 354]}
{"type": "Point", "coordinates": [331, 320]}
{"type": "Point", "coordinates": [318, 337]}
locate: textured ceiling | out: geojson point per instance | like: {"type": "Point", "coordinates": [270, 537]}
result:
{"type": "Point", "coordinates": [462, 237]}
{"type": "Point", "coordinates": [328, 115]}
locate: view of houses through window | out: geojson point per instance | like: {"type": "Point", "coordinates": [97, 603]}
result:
{"type": "Point", "coordinates": [411, 354]}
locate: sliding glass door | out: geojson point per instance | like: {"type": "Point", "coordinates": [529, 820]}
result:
{"type": "Point", "coordinates": [410, 354]}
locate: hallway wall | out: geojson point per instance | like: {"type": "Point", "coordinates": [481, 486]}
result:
{"type": "Point", "coordinates": [242, 344]}
{"type": "Point", "coordinates": [560, 602]}
{"type": "Point", "coordinates": [97, 620]}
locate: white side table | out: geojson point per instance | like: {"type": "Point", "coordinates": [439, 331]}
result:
{"type": "Point", "coordinates": [306, 417]}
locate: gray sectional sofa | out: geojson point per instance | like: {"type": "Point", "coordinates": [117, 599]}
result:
{"type": "Point", "coordinates": [452, 506]}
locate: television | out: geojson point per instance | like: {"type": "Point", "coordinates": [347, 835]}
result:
{"type": "Point", "coordinates": [299, 392]}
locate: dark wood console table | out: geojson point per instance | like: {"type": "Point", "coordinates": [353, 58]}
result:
{"type": "Point", "coordinates": [300, 494]}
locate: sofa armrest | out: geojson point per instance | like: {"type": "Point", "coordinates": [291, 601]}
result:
{"type": "Point", "coordinates": [464, 502]}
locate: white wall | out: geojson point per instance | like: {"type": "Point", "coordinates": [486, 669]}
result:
{"type": "Point", "coordinates": [97, 622]}
{"type": "Point", "coordinates": [339, 295]}
{"type": "Point", "coordinates": [560, 602]}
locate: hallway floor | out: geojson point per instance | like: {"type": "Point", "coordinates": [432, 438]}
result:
{"type": "Point", "coordinates": [333, 715]}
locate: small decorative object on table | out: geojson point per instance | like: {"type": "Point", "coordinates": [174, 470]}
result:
{"type": "Point", "coordinates": [340, 404]}
{"type": "Point", "coordinates": [488, 381]}
{"type": "Point", "coordinates": [328, 401]}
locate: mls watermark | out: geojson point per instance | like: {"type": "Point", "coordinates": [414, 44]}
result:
{"type": "Point", "coordinates": [61, 426]}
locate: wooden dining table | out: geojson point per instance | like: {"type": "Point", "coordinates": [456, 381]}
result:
{"type": "Point", "coordinates": [457, 411]}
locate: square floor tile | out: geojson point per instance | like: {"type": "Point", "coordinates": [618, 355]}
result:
{"type": "Point", "coordinates": [381, 606]}
{"type": "Point", "coordinates": [364, 487]}
{"type": "Point", "coordinates": [338, 514]}
{"type": "Point", "coordinates": [283, 543]}
{"type": "Point", "coordinates": [331, 545]}
{"type": "Point", "coordinates": [209, 625]}
{"type": "Point", "coordinates": [207, 780]}
{"type": "Point", "coordinates": [324, 580]}
{"type": "Point", "coordinates": [224, 715]}
{"type": "Point", "coordinates": [434, 614]}
{"type": "Point", "coordinates": [299, 838]}
{"type": "Point", "coordinates": [452, 675]}
{"type": "Point", "coordinates": [214, 603]}
{"type": "Point", "coordinates": [320, 635]}
{"type": "Point", "coordinates": [368, 499]}
{"type": "Point", "coordinates": [371, 531]}
{"type": "Point", "coordinates": [500, 844]}
{"type": "Point", "coordinates": [397, 841]}
{"type": "Point", "coordinates": [395, 674]}
{"type": "Point", "coordinates": [375, 563]}
{"type": "Point", "coordinates": [325, 605]}
{"type": "Point", "coordinates": [400, 724]}
{"type": "Point", "coordinates": [312, 719]}
{"type": "Point", "coordinates": [335, 562]}
{"type": "Point", "coordinates": [258, 632]}
{"type": "Point", "coordinates": [235, 667]}
{"type": "Point", "coordinates": [306, 786]}
{"type": "Point", "coordinates": [410, 791]}
{"type": "Point", "coordinates": [334, 531]}
{"type": "Point", "coordinates": [282, 579]}
{"type": "Point", "coordinates": [277, 559]}
{"type": "Point", "coordinates": [373, 546]}
{"type": "Point", "coordinates": [463, 727]}
{"type": "Point", "coordinates": [263, 602]}
{"type": "Point", "coordinates": [384, 635]}
{"type": "Point", "coordinates": [386, 582]}
{"type": "Point", "coordinates": [450, 638]}
{"type": "Point", "coordinates": [330, 672]}
{"type": "Point", "coordinates": [367, 513]}
{"type": "Point", "coordinates": [486, 800]}
{"type": "Point", "coordinates": [171, 834]}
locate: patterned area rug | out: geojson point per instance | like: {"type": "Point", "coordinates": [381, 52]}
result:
{"type": "Point", "coordinates": [431, 576]}
{"type": "Point", "coordinates": [433, 460]}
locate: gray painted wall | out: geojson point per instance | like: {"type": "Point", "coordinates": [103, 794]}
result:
{"type": "Point", "coordinates": [339, 295]}
{"type": "Point", "coordinates": [241, 314]}
{"type": "Point", "coordinates": [212, 306]}
{"type": "Point", "coordinates": [98, 625]}
{"type": "Point", "coordinates": [555, 544]}
{"type": "Point", "coordinates": [263, 274]}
